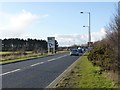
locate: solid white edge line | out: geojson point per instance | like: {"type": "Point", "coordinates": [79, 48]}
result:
{"type": "Point", "coordinates": [10, 72]}
{"type": "Point", "coordinates": [65, 72]}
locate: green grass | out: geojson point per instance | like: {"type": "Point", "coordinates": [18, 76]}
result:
{"type": "Point", "coordinates": [1, 53]}
{"type": "Point", "coordinates": [28, 52]}
{"type": "Point", "coordinates": [85, 75]}
{"type": "Point", "coordinates": [26, 57]}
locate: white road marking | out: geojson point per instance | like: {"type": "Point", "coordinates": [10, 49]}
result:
{"type": "Point", "coordinates": [32, 65]}
{"type": "Point", "coordinates": [47, 60]}
{"type": "Point", "coordinates": [62, 75]}
{"type": "Point", "coordinates": [51, 59]}
{"type": "Point", "coordinates": [10, 72]}
{"type": "Point", "coordinates": [42, 62]}
{"type": "Point", "coordinates": [56, 58]}
{"type": "Point", "coordinates": [61, 56]}
{"type": "Point", "coordinates": [37, 64]}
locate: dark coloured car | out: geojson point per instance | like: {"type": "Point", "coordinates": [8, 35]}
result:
{"type": "Point", "coordinates": [80, 51]}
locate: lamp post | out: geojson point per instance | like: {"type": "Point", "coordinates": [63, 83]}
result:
{"type": "Point", "coordinates": [89, 32]}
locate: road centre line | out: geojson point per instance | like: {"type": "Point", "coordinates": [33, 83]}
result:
{"type": "Point", "coordinates": [32, 65]}
{"type": "Point", "coordinates": [37, 64]}
{"type": "Point", "coordinates": [51, 59]}
{"type": "Point", "coordinates": [10, 72]}
{"type": "Point", "coordinates": [56, 58]}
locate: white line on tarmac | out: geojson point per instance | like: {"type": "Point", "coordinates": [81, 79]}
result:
{"type": "Point", "coordinates": [42, 62]}
{"type": "Point", "coordinates": [56, 58]}
{"type": "Point", "coordinates": [60, 77]}
{"type": "Point", "coordinates": [47, 60]}
{"type": "Point", "coordinates": [37, 64]}
{"type": "Point", "coordinates": [32, 65]}
{"type": "Point", "coordinates": [10, 72]}
{"type": "Point", "coordinates": [51, 59]}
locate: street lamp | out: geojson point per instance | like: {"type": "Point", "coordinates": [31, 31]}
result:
{"type": "Point", "coordinates": [88, 27]}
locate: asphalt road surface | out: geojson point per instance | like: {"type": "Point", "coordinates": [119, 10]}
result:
{"type": "Point", "coordinates": [36, 73]}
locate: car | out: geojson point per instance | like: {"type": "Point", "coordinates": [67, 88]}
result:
{"type": "Point", "coordinates": [80, 51]}
{"type": "Point", "coordinates": [74, 52]}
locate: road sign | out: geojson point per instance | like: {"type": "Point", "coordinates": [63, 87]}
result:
{"type": "Point", "coordinates": [51, 44]}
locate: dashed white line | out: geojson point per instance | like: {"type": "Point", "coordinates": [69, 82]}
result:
{"type": "Point", "coordinates": [9, 72]}
{"type": "Point", "coordinates": [51, 59]}
{"type": "Point", "coordinates": [32, 65]}
{"type": "Point", "coordinates": [37, 64]}
{"type": "Point", "coordinates": [61, 57]}
{"type": "Point", "coordinates": [47, 60]}
{"type": "Point", "coordinates": [56, 58]}
{"type": "Point", "coordinates": [42, 62]}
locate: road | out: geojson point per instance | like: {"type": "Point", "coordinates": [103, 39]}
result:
{"type": "Point", "coordinates": [36, 73]}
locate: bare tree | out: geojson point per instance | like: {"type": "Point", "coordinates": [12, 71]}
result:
{"type": "Point", "coordinates": [113, 38]}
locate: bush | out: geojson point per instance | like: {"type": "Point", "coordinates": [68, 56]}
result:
{"type": "Point", "coordinates": [102, 56]}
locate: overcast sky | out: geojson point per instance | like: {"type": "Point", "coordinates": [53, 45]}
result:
{"type": "Point", "coordinates": [61, 20]}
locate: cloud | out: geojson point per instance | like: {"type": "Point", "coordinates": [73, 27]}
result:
{"type": "Point", "coordinates": [98, 35]}
{"type": "Point", "coordinates": [71, 39]}
{"type": "Point", "coordinates": [14, 25]}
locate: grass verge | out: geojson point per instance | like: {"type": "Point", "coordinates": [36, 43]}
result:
{"type": "Point", "coordinates": [8, 53]}
{"type": "Point", "coordinates": [23, 59]}
{"type": "Point", "coordinates": [27, 58]}
{"type": "Point", "coordinates": [2, 53]}
{"type": "Point", "coordinates": [85, 75]}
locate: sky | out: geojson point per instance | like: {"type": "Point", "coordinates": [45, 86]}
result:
{"type": "Point", "coordinates": [62, 20]}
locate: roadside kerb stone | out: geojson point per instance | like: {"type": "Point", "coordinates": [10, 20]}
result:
{"type": "Point", "coordinates": [65, 73]}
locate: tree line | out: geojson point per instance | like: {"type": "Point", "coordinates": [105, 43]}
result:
{"type": "Point", "coordinates": [16, 44]}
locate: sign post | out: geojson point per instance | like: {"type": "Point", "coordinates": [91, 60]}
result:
{"type": "Point", "coordinates": [51, 44]}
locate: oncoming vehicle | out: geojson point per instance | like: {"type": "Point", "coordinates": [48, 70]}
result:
{"type": "Point", "coordinates": [74, 52]}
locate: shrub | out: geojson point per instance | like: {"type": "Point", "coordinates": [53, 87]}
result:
{"type": "Point", "coordinates": [102, 56]}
